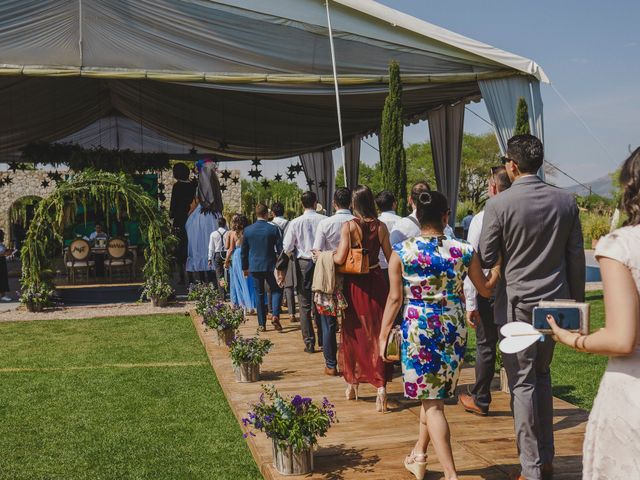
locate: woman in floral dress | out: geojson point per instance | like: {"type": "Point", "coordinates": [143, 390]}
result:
{"type": "Point", "coordinates": [427, 273]}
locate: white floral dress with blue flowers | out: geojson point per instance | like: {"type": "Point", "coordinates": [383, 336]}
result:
{"type": "Point", "coordinates": [434, 331]}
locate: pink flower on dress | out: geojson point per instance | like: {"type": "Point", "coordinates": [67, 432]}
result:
{"type": "Point", "coordinates": [424, 258]}
{"type": "Point", "coordinates": [455, 252]}
{"type": "Point", "coordinates": [416, 292]}
{"type": "Point", "coordinates": [412, 313]}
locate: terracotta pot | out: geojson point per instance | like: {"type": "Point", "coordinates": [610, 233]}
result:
{"type": "Point", "coordinates": [159, 302]}
{"type": "Point", "coordinates": [247, 373]}
{"type": "Point", "coordinates": [288, 462]}
{"type": "Point", "coordinates": [225, 337]}
{"type": "Point", "coordinates": [504, 382]}
{"type": "Point", "coordinates": [35, 307]}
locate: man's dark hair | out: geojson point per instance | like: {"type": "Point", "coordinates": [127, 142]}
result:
{"type": "Point", "coordinates": [309, 199]}
{"type": "Point", "coordinates": [500, 178]}
{"type": "Point", "coordinates": [469, 212]}
{"type": "Point", "coordinates": [180, 171]}
{"type": "Point", "coordinates": [261, 210]}
{"type": "Point", "coordinates": [222, 222]}
{"type": "Point", "coordinates": [385, 200]}
{"type": "Point", "coordinates": [277, 208]}
{"type": "Point", "coordinates": [417, 189]}
{"type": "Point", "coordinates": [342, 197]}
{"type": "Point", "coordinates": [527, 152]}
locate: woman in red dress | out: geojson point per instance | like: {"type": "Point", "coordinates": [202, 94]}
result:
{"type": "Point", "coordinates": [366, 296]}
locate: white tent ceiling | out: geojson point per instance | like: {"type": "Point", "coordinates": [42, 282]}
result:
{"type": "Point", "coordinates": [248, 78]}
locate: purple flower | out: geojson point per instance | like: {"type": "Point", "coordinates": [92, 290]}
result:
{"type": "Point", "coordinates": [455, 252]}
{"type": "Point", "coordinates": [411, 389]}
{"type": "Point", "coordinates": [412, 312]}
{"type": "Point", "coordinates": [416, 292]}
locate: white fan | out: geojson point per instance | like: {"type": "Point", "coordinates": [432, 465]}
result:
{"type": "Point", "coordinates": [518, 336]}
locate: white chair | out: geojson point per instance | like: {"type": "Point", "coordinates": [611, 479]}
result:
{"type": "Point", "coordinates": [77, 259]}
{"type": "Point", "coordinates": [117, 249]}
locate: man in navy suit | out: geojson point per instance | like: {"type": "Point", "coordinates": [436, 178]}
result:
{"type": "Point", "coordinates": [261, 245]}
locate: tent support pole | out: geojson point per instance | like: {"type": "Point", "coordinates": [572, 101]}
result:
{"type": "Point", "coordinates": [335, 83]}
{"type": "Point", "coordinates": [80, 32]}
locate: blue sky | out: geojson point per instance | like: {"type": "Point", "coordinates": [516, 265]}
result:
{"type": "Point", "coordinates": [591, 52]}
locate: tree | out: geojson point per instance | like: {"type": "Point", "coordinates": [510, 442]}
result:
{"type": "Point", "coordinates": [522, 118]}
{"type": "Point", "coordinates": [286, 192]}
{"type": "Point", "coordinates": [393, 161]}
{"type": "Point", "coordinates": [370, 175]}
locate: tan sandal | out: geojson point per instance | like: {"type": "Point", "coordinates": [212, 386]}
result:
{"type": "Point", "coordinates": [416, 466]}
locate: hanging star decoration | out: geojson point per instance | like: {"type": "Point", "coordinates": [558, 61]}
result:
{"type": "Point", "coordinates": [278, 177]}
{"type": "Point", "coordinates": [235, 180]}
{"type": "Point", "coordinates": [55, 176]}
{"type": "Point", "coordinates": [225, 174]}
{"type": "Point", "coordinates": [193, 151]}
{"type": "Point", "coordinates": [255, 173]}
{"type": "Point", "coordinates": [322, 184]}
{"type": "Point", "coordinates": [223, 145]}
{"type": "Point", "coordinates": [14, 166]}
{"type": "Point", "coordinates": [223, 188]}
{"type": "Point", "coordinates": [7, 180]}
{"type": "Point", "coordinates": [162, 197]}
{"type": "Point", "coordinates": [256, 162]}
{"type": "Point", "coordinates": [44, 184]}
{"type": "Point", "coordinates": [310, 183]}
{"type": "Point", "coordinates": [161, 187]}
{"type": "Point", "coordinates": [298, 168]}
{"type": "Point", "coordinates": [265, 183]}
{"type": "Point", "coordinates": [291, 175]}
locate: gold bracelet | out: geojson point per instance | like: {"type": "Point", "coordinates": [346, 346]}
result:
{"type": "Point", "coordinates": [575, 342]}
{"type": "Point", "coordinates": [584, 341]}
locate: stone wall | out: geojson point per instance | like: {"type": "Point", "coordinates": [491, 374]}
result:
{"type": "Point", "coordinates": [29, 182]}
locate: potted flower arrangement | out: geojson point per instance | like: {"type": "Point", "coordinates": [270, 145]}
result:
{"type": "Point", "coordinates": [36, 297]}
{"type": "Point", "coordinates": [294, 425]}
{"type": "Point", "coordinates": [247, 355]}
{"type": "Point", "coordinates": [158, 290]}
{"type": "Point", "coordinates": [204, 295]}
{"type": "Point", "coordinates": [225, 319]}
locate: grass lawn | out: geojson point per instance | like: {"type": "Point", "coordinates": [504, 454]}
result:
{"type": "Point", "coordinates": [114, 398]}
{"type": "Point", "coordinates": [576, 376]}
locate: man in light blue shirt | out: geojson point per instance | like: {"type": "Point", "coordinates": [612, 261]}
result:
{"type": "Point", "coordinates": [327, 239]}
{"type": "Point", "coordinates": [466, 223]}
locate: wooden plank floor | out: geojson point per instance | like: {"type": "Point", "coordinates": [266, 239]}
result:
{"type": "Point", "coordinates": [367, 444]}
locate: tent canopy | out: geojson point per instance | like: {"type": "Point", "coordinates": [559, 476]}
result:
{"type": "Point", "coordinates": [239, 77]}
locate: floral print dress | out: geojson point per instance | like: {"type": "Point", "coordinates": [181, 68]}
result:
{"type": "Point", "coordinates": [434, 331]}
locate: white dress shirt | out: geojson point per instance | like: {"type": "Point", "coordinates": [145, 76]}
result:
{"type": "Point", "coordinates": [329, 229]}
{"type": "Point", "coordinates": [470, 292]}
{"type": "Point", "coordinates": [407, 228]}
{"type": "Point", "coordinates": [301, 234]}
{"type": "Point", "coordinates": [389, 218]}
{"type": "Point", "coordinates": [216, 242]}
{"type": "Point", "coordinates": [466, 222]}
{"type": "Point", "coordinates": [281, 223]}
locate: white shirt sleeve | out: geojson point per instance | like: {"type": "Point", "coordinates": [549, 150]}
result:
{"type": "Point", "coordinates": [212, 245]}
{"type": "Point", "coordinates": [398, 234]}
{"type": "Point", "coordinates": [318, 240]}
{"type": "Point", "coordinates": [470, 292]}
{"type": "Point", "coordinates": [448, 231]}
{"type": "Point", "coordinates": [289, 242]}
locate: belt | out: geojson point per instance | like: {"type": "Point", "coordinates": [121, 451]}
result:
{"type": "Point", "coordinates": [372, 267]}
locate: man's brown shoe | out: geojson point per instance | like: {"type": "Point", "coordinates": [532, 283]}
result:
{"type": "Point", "coordinates": [332, 372]}
{"type": "Point", "coordinates": [276, 323]}
{"type": "Point", "coordinates": [547, 471]}
{"type": "Point", "coordinates": [469, 404]}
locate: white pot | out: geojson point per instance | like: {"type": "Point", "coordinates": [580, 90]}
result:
{"type": "Point", "coordinates": [247, 373]}
{"type": "Point", "coordinates": [288, 462]}
{"type": "Point", "coordinates": [225, 337]}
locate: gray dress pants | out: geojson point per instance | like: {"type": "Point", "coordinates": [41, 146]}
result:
{"type": "Point", "coordinates": [306, 303]}
{"type": "Point", "coordinates": [486, 342]}
{"type": "Point", "coordinates": [529, 375]}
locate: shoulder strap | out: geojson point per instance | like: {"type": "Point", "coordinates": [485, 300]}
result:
{"type": "Point", "coordinates": [414, 220]}
{"type": "Point", "coordinates": [358, 231]}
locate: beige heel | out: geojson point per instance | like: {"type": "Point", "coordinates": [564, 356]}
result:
{"type": "Point", "coordinates": [352, 392]}
{"type": "Point", "coordinates": [415, 466]}
{"type": "Point", "coordinates": [381, 400]}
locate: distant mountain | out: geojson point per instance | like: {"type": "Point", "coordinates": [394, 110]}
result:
{"type": "Point", "coordinates": [602, 186]}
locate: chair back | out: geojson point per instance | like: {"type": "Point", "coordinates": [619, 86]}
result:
{"type": "Point", "coordinates": [117, 248]}
{"type": "Point", "coordinates": [79, 249]}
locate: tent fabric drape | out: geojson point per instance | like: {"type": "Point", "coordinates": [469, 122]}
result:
{"type": "Point", "coordinates": [445, 130]}
{"type": "Point", "coordinates": [352, 161]}
{"type": "Point", "coordinates": [320, 175]}
{"type": "Point", "coordinates": [501, 98]}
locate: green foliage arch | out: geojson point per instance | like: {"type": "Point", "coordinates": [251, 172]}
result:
{"type": "Point", "coordinates": [109, 191]}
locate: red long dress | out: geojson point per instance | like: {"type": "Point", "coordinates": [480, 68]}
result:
{"type": "Point", "coordinates": [366, 296]}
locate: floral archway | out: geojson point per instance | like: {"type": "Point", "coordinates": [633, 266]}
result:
{"type": "Point", "coordinates": [110, 191]}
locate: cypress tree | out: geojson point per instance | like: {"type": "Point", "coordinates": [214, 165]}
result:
{"type": "Point", "coordinates": [522, 118]}
{"type": "Point", "coordinates": [393, 159]}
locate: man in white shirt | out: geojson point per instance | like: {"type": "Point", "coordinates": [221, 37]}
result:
{"type": "Point", "coordinates": [466, 222]}
{"type": "Point", "coordinates": [215, 253]}
{"type": "Point", "coordinates": [328, 239]}
{"type": "Point", "coordinates": [386, 203]}
{"type": "Point", "coordinates": [409, 227]}
{"type": "Point", "coordinates": [282, 223]}
{"type": "Point", "coordinates": [487, 315]}
{"type": "Point", "coordinates": [98, 234]}
{"type": "Point", "coordinates": [299, 239]}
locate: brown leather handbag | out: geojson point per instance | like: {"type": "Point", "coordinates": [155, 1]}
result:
{"type": "Point", "coordinates": [357, 262]}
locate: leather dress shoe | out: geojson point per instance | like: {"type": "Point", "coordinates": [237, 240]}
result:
{"type": "Point", "coordinates": [309, 349]}
{"type": "Point", "coordinates": [276, 323]}
{"type": "Point", "coordinates": [332, 372]}
{"type": "Point", "coordinates": [469, 404]}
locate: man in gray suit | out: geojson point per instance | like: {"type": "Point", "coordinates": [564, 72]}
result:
{"type": "Point", "coordinates": [536, 229]}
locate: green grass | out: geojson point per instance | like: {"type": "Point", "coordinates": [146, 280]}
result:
{"type": "Point", "coordinates": [575, 375]}
{"type": "Point", "coordinates": [68, 422]}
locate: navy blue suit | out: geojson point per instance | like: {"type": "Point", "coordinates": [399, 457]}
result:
{"type": "Point", "coordinates": [261, 246]}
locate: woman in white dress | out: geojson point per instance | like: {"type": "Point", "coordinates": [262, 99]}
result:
{"type": "Point", "coordinates": [203, 219]}
{"type": "Point", "coordinates": [612, 442]}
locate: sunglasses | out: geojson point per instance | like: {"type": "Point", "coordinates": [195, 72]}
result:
{"type": "Point", "coordinates": [506, 160]}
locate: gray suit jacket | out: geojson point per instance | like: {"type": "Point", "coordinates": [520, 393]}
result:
{"type": "Point", "coordinates": [536, 228]}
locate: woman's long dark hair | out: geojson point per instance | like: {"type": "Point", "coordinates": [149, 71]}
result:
{"type": "Point", "coordinates": [363, 202]}
{"type": "Point", "coordinates": [239, 223]}
{"type": "Point", "coordinates": [431, 207]}
{"type": "Point", "coordinates": [630, 183]}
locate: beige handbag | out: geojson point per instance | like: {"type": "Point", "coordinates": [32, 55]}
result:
{"type": "Point", "coordinates": [394, 343]}
{"type": "Point", "coordinates": [357, 262]}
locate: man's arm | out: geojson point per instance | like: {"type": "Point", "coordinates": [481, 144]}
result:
{"type": "Point", "coordinates": [244, 252]}
{"type": "Point", "coordinates": [212, 246]}
{"type": "Point", "coordinates": [289, 243]}
{"type": "Point", "coordinates": [470, 292]}
{"type": "Point", "coordinates": [490, 245]}
{"type": "Point", "coordinates": [278, 242]}
{"type": "Point", "coordinates": [318, 241]}
{"type": "Point", "coordinates": [576, 269]}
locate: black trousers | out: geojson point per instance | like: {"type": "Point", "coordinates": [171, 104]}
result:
{"type": "Point", "coordinates": [486, 343]}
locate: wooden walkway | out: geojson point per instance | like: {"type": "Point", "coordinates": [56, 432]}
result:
{"type": "Point", "coordinates": [371, 445]}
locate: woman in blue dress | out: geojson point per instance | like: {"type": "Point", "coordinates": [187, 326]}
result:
{"type": "Point", "coordinates": [241, 289]}
{"type": "Point", "coordinates": [203, 219]}
{"type": "Point", "coordinates": [426, 273]}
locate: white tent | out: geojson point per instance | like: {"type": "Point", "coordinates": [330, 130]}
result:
{"type": "Point", "coordinates": [245, 78]}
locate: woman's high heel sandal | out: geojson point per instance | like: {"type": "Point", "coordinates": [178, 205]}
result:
{"type": "Point", "coordinates": [381, 400]}
{"type": "Point", "coordinates": [416, 463]}
{"type": "Point", "coordinates": [352, 392]}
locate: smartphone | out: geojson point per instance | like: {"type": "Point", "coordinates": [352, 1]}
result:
{"type": "Point", "coordinates": [568, 318]}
